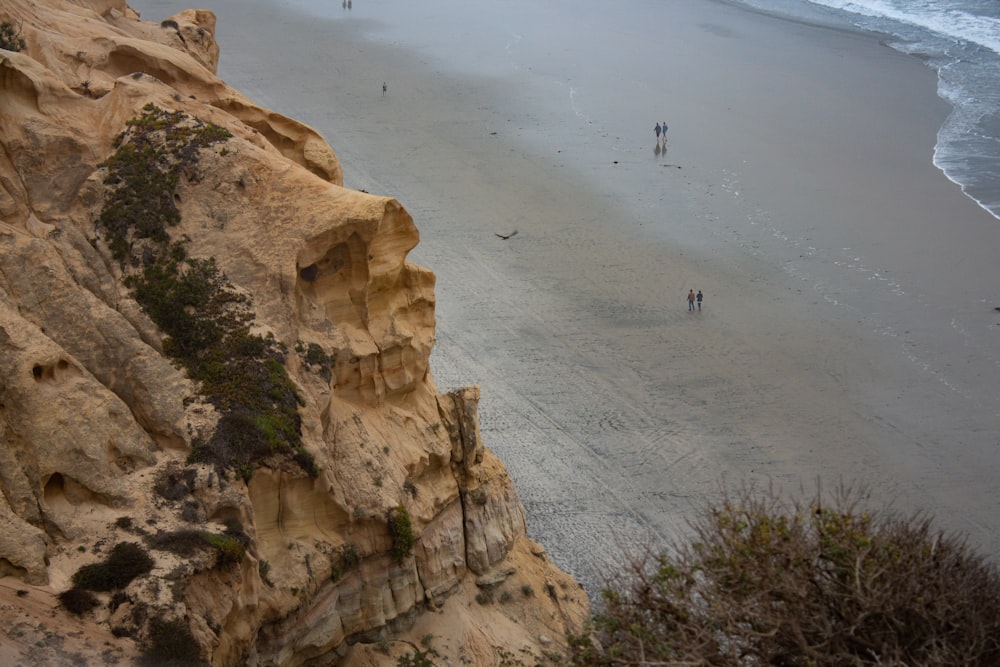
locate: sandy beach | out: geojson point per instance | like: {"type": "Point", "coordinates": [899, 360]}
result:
{"type": "Point", "coordinates": [848, 332]}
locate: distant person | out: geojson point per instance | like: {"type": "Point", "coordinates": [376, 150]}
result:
{"type": "Point", "coordinates": [664, 130]}
{"type": "Point", "coordinates": [691, 298]}
{"type": "Point", "coordinates": [384, 88]}
{"type": "Point", "coordinates": [657, 130]}
{"type": "Point", "coordinates": [699, 297]}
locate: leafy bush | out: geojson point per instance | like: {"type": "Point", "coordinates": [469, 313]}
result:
{"type": "Point", "coordinates": [401, 531]}
{"type": "Point", "coordinates": [236, 444]}
{"type": "Point", "coordinates": [194, 306]}
{"type": "Point", "coordinates": [180, 542]}
{"type": "Point", "coordinates": [417, 658]}
{"type": "Point", "coordinates": [126, 561]}
{"type": "Point", "coordinates": [152, 153]}
{"type": "Point", "coordinates": [175, 483]}
{"type": "Point", "coordinates": [228, 548]}
{"type": "Point", "coordinates": [345, 559]}
{"type": "Point", "coordinates": [170, 644]}
{"type": "Point", "coordinates": [316, 359]}
{"type": "Point", "coordinates": [205, 319]}
{"type": "Point", "coordinates": [78, 601]}
{"type": "Point", "coordinates": [9, 39]}
{"type": "Point", "coordinates": [763, 583]}
{"type": "Point", "coordinates": [479, 496]}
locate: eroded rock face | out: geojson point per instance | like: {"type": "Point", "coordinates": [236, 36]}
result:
{"type": "Point", "coordinates": [405, 517]}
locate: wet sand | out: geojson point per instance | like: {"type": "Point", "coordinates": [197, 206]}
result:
{"type": "Point", "coordinates": [793, 176]}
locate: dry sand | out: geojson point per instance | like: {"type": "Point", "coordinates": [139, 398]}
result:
{"type": "Point", "coordinates": [617, 411]}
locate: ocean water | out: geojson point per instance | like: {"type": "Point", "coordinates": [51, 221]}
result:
{"type": "Point", "coordinates": [960, 39]}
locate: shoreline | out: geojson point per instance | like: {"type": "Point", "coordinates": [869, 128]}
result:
{"type": "Point", "coordinates": [616, 412]}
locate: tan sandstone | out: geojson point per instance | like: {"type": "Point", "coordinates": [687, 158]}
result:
{"type": "Point", "coordinates": [94, 417]}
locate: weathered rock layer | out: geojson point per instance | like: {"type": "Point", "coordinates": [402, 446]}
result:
{"type": "Point", "coordinates": [97, 423]}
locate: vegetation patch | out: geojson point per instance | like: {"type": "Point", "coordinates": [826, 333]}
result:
{"type": "Point", "coordinates": [343, 560]}
{"type": "Point", "coordinates": [124, 522]}
{"type": "Point", "coordinates": [10, 38]}
{"type": "Point", "coordinates": [126, 561]}
{"type": "Point", "coordinates": [205, 319]}
{"type": "Point", "coordinates": [479, 496]}
{"type": "Point", "coordinates": [152, 153]}
{"type": "Point", "coordinates": [180, 542]}
{"type": "Point", "coordinates": [170, 643]}
{"type": "Point", "coordinates": [229, 547]}
{"type": "Point", "coordinates": [767, 583]}
{"type": "Point", "coordinates": [401, 531]}
{"type": "Point", "coordinates": [174, 483]}
{"type": "Point", "coordinates": [316, 359]}
{"type": "Point", "coordinates": [78, 601]}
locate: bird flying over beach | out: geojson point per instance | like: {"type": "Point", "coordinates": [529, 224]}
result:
{"type": "Point", "coordinates": [508, 236]}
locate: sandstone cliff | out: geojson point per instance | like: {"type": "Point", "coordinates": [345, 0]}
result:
{"type": "Point", "coordinates": [340, 515]}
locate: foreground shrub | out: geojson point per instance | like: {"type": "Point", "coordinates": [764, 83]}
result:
{"type": "Point", "coordinates": [763, 583]}
{"type": "Point", "coordinates": [126, 561]}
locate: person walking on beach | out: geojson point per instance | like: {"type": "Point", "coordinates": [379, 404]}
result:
{"type": "Point", "coordinates": [664, 130]}
{"type": "Point", "coordinates": [657, 130]}
{"type": "Point", "coordinates": [384, 88]}
{"type": "Point", "coordinates": [691, 299]}
{"type": "Point", "coordinates": [699, 297]}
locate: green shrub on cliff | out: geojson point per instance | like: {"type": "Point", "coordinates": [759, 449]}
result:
{"type": "Point", "coordinates": [78, 601]}
{"type": "Point", "coordinates": [151, 154]}
{"type": "Point", "coordinates": [316, 359]}
{"type": "Point", "coordinates": [205, 319]}
{"type": "Point", "coordinates": [822, 585]}
{"type": "Point", "coordinates": [401, 532]}
{"type": "Point", "coordinates": [229, 547]}
{"type": "Point", "coordinates": [126, 561]}
{"type": "Point", "coordinates": [9, 39]}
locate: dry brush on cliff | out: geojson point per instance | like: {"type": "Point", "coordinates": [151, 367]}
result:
{"type": "Point", "coordinates": [824, 583]}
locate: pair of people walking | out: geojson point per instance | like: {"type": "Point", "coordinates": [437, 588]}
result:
{"type": "Point", "coordinates": [661, 129]}
{"type": "Point", "coordinates": [693, 298]}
